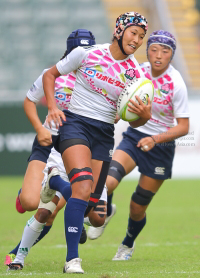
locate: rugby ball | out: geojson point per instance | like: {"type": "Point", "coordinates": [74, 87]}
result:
{"type": "Point", "coordinates": [141, 87]}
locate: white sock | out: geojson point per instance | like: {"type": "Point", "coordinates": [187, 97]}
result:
{"type": "Point", "coordinates": [32, 231]}
{"type": "Point", "coordinates": [87, 221]}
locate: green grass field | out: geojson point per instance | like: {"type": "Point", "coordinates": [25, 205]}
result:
{"type": "Point", "coordinates": [169, 245]}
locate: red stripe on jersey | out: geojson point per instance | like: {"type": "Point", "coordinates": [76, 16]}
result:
{"type": "Point", "coordinates": [80, 174]}
{"type": "Point", "coordinates": [95, 200]}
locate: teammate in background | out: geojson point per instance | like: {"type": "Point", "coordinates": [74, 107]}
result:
{"type": "Point", "coordinates": [87, 127]}
{"type": "Point", "coordinates": [151, 147]}
{"type": "Point", "coordinates": [29, 197]}
{"type": "Point", "coordinates": [35, 224]}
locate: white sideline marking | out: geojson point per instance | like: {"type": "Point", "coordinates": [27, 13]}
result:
{"type": "Point", "coordinates": [90, 245]}
{"type": "Point", "coordinates": [58, 273]}
{"type": "Point", "coordinates": [29, 274]}
{"type": "Point", "coordinates": [149, 244]}
{"type": "Point", "coordinates": [181, 272]}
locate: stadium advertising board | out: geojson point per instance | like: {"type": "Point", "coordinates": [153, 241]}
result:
{"type": "Point", "coordinates": [17, 134]}
{"type": "Point", "coordinates": [16, 138]}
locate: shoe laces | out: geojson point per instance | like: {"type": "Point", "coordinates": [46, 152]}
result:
{"type": "Point", "coordinates": [76, 261]}
{"type": "Point", "coordinates": [123, 250]}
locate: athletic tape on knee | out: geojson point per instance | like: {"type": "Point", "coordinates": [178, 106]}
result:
{"type": "Point", "coordinates": [102, 178]}
{"type": "Point", "coordinates": [49, 206]}
{"type": "Point", "coordinates": [94, 199]}
{"type": "Point", "coordinates": [100, 184]}
{"type": "Point", "coordinates": [100, 208]}
{"type": "Point", "coordinates": [142, 196]}
{"type": "Point", "coordinates": [80, 174]}
{"type": "Point", "coordinates": [116, 170]}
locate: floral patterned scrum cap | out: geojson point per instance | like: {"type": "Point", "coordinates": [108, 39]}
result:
{"type": "Point", "coordinates": [164, 38]}
{"type": "Point", "coordinates": [129, 19]}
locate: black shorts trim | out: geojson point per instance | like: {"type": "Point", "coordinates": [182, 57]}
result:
{"type": "Point", "coordinates": [65, 144]}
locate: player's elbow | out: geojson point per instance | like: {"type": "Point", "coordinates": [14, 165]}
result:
{"type": "Point", "coordinates": [28, 105]}
{"type": "Point", "coordinates": [47, 75]}
{"type": "Point", "coordinates": [185, 126]}
{"type": "Point", "coordinates": [186, 130]}
{"type": "Point", "coordinates": [51, 74]}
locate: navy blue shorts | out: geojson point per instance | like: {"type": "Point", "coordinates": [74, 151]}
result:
{"type": "Point", "coordinates": [41, 153]}
{"type": "Point", "coordinates": [156, 163]}
{"type": "Point", "coordinates": [98, 134]}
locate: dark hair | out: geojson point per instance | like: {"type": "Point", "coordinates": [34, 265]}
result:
{"type": "Point", "coordinates": [64, 55]}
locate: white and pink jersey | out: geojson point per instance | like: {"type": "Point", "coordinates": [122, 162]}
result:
{"type": "Point", "coordinates": [170, 100]}
{"type": "Point", "coordinates": [64, 86]}
{"type": "Point", "coordinates": [99, 80]}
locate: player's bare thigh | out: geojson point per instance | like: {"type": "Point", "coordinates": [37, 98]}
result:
{"type": "Point", "coordinates": [96, 169]}
{"type": "Point", "coordinates": [30, 195]}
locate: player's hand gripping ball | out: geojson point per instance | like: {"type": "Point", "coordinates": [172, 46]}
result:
{"type": "Point", "coordinates": [141, 87]}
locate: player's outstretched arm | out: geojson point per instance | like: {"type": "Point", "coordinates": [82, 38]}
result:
{"type": "Point", "coordinates": [43, 135]}
{"type": "Point", "coordinates": [181, 129]}
{"type": "Point", "coordinates": [54, 114]}
{"type": "Point", "coordinates": [173, 133]}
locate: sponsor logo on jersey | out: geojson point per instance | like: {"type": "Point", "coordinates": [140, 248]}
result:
{"type": "Point", "coordinates": [159, 171]}
{"type": "Point", "coordinates": [60, 96]}
{"type": "Point", "coordinates": [73, 229]}
{"type": "Point", "coordinates": [164, 92]}
{"type": "Point", "coordinates": [90, 72]}
{"type": "Point", "coordinates": [160, 101]}
{"type": "Point", "coordinates": [130, 74]}
{"type": "Point", "coordinates": [84, 42]}
{"type": "Point", "coordinates": [110, 80]}
{"type": "Point", "coordinates": [165, 88]}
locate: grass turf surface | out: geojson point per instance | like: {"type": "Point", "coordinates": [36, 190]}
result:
{"type": "Point", "coordinates": [169, 245]}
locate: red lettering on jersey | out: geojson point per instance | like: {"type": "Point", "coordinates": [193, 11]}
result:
{"type": "Point", "coordinates": [99, 75]}
{"type": "Point", "coordinates": [104, 78]}
{"type": "Point", "coordinates": [110, 80]}
{"type": "Point", "coordinates": [117, 83]}
{"type": "Point", "coordinates": [122, 86]}
{"type": "Point", "coordinates": [160, 101]}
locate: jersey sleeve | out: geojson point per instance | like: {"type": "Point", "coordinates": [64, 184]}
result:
{"type": "Point", "coordinates": [72, 61]}
{"type": "Point", "coordinates": [36, 92]}
{"type": "Point", "coordinates": [180, 99]}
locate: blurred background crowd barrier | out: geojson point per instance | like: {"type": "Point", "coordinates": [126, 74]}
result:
{"type": "Point", "coordinates": [33, 37]}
